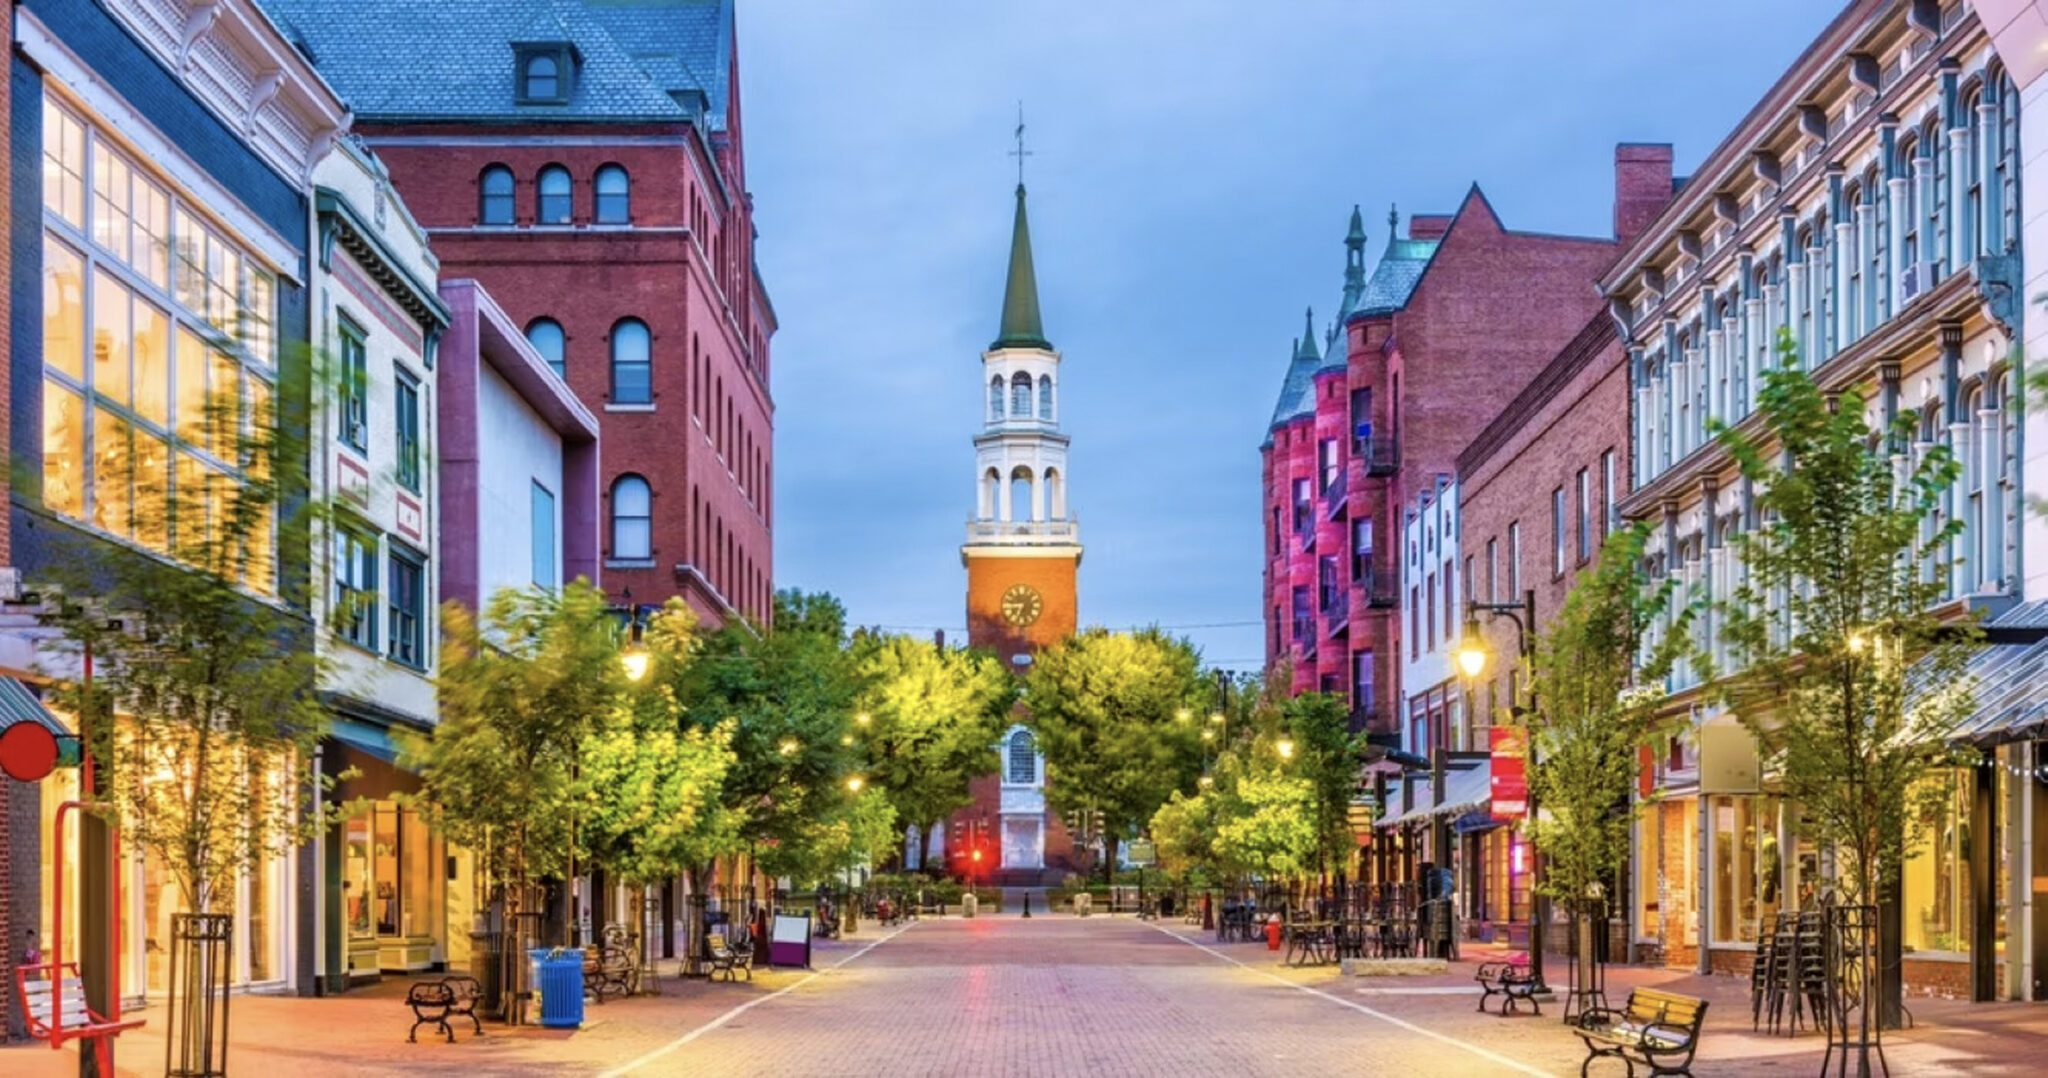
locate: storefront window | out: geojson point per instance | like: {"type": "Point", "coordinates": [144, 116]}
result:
{"type": "Point", "coordinates": [1935, 887]}
{"type": "Point", "coordinates": [1649, 873]}
{"type": "Point", "coordinates": [390, 888]}
{"type": "Point", "coordinates": [128, 367]}
{"type": "Point", "coordinates": [1749, 870]}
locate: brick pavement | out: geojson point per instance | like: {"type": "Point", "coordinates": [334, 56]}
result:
{"type": "Point", "coordinates": [1050, 996]}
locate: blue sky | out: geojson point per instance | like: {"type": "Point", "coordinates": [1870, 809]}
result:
{"type": "Point", "coordinates": [1194, 165]}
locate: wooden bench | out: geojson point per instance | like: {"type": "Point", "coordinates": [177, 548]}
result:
{"type": "Point", "coordinates": [729, 959]}
{"type": "Point", "coordinates": [1657, 1029]}
{"type": "Point", "coordinates": [608, 971]}
{"type": "Point", "coordinates": [55, 1007]}
{"type": "Point", "coordinates": [1511, 981]}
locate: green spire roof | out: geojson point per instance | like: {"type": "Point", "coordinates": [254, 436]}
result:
{"type": "Point", "coordinates": [1021, 326]}
{"type": "Point", "coordinates": [1357, 234]}
{"type": "Point", "coordinates": [1306, 349]}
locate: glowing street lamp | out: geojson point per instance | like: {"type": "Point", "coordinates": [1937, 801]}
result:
{"type": "Point", "coordinates": [1182, 716]}
{"type": "Point", "coordinates": [788, 746]}
{"type": "Point", "coordinates": [1471, 652]}
{"type": "Point", "coordinates": [855, 782]}
{"type": "Point", "coordinates": [634, 656]}
{"type": "Point", "coordinates": [1285, 748]}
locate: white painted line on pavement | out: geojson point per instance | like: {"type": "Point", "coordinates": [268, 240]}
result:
{"type": "Point", "coordinates": [747, 1006]}
{"type": "Point", "coordinates": [1362, 1008]}
{"type": "Point", "coordinates": [1453, 990]}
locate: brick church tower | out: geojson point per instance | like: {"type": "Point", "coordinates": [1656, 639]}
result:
{"type": "Point", "coordinates": [1022, 554]}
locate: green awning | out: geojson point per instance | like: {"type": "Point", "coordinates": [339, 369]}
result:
{"type": "Point", "coordinates": [18, 704]}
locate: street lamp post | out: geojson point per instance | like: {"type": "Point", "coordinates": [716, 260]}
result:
{"type": "Point", "coordinates": [1472, 656]}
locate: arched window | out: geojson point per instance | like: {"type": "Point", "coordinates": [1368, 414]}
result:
{"type": "Point", "coordinates": [2008, 161]}
{"type": "Point", "coordinates": [632, 519]}
{"type": "Point", "coordinates": [545, 334]}
{"type": "Point", "coordinates": [1876, 305]}
{"type": "Point", "coordinates": [494, 196]}
{"type": "Point", "coordinates": [1908, 209]}
{"type": "Point", "coordinates": [1971, 219]}
{"type": "Point", "coordinates": [1023, 759]}
{"type": "Point", "coordinates": [614, 195]}
{"type": "Point", "coordinates": [1020, 395]}
{"type": "Point", "coordinates": [1935, 242]}
{"type": "Point", "coordinates": [995, 398]}
{"type": "Point", "coordinates": [1020, 495]}
{"type": "Point", "coordinates": [1851, 256]}
{"type": "Point", "coordinates": [632, 365]}
{"type": "Point", "coordinates": [991, 493]}
{"type": "Point", "coordinates": [557, 195]}
{"type": "Point", "coordinates": [543, 78]}
{"type": "Point", "coordinates": [1045, 397]}
{"type": "Point", "coordinates": [1055, 495]}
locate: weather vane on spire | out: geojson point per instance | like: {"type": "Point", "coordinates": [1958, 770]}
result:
{"type": "Point", "coordinates": [1020, 153]}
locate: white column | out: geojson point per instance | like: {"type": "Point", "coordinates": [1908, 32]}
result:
{"type": "Point", "coordinates": [1038, 494]}
{"type": "Point", "coordinates": [1644, 444]}
{"type": "Point", "coordinates": [1755, 350]}
{"type": "Point", "coordinates": [1795, 285]}
{"type": "Point", "coordinates": [1866, 245]}
{"type": "Point", "coordinates": [1962, 551]}
{"type": "Point", "coordinates": [1003, 495]}
{"type": "Point", "coordinates": [1991, 559]}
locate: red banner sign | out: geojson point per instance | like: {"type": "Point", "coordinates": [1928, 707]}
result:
{"type": "Point", "coordinates": [1646, 770]}
{"type": "Point", "coordinates": [1510, 787]}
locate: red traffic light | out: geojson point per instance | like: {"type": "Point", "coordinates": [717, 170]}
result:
{"type": "Point", "coordinates": [977, 855]}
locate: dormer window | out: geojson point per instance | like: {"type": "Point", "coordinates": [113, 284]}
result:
{"type": "Point", "coordinates": [545, 73]}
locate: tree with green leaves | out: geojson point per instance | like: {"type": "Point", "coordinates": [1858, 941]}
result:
{"type": "Point", "coordinates": [1593, 722]}
{"type": "Point", "coordinates": [1841, 669]}
{"type": "Point", "coordinates": [1273, 825]}
{"type": "Point", "coordinates": [1324, 753]}
{"type": "Point", "coordinates": [522, 691]}
{"type": "Point", "coordinates": [195, 637]}
{"type": "Point", "coordinates": [1115, 717]}
{"type": "Point", "coordinates": [789, 696]}
{"type": "Point", "coordinates": [928, 722]}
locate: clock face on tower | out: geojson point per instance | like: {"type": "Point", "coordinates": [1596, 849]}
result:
{"type": "Point", "coordinates": [1022, 605]}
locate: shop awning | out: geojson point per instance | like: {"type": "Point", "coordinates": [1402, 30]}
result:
{"type": "Point", "coordinates": [2010, 680]}
{"type": "Point", "coordinates": [18, 704]}
{"type": "Point", "coordinates": [1464, 791]}
{"type": "Point", "coordinates": [371, 740]}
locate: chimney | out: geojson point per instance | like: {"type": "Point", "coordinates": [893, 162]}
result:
{"type": "Point", "coordinates": [1428, 226]}
{"type": "Point", "coordinates": [1642, 186]}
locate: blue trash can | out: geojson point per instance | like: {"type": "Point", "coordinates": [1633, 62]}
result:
{"type": "Point", "coordinates": [558, 978]}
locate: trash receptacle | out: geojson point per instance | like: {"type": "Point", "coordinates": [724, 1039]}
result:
{"type": "Point", "coordinates": [969, 902]}
{"type": "Point", "coordinates": [558, 979]}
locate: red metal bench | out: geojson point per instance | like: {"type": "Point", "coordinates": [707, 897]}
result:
{"type": "Point", "coordinates": [54, 1005]}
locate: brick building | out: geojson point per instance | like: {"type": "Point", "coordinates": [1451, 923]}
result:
{"type": "Point", "coordinates": [585, 163]}
{"type": "Point", "coordinates": [1454, 320]}
{"type": "Point", "coordinates": [1870, 206]}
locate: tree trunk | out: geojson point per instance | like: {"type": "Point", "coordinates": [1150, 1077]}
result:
{"type": "Point", "coordinates": [1109, 847]}
{"type": "Point", "coordinates": [1891, 981]}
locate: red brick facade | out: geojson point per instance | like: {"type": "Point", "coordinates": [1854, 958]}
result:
{"type": "Point", "coordinates": [1571, 421]}
{"type": "Point", "coordinates": [684, 267]}
{"type": "Point", "coordinates": [1421, 378]}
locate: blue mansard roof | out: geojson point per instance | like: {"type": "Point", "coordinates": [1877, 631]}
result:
{"type": "Point", "coordinates": [1394, 279]}
{"type": "Point", "coordinates": [402, 60]}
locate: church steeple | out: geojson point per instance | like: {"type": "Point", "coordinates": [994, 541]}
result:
{"type": "Point", "coordinates": [1354, 264]}
{"type": "Point", "coordinates": [1305, 349]}
{"type": "Point", "coordinates": [1021, 327]}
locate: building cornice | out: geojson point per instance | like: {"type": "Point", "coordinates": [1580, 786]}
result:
{"type": "Point", "coordinates": [230, 56]}
{"type": "Point", "coordinates": [1828, 67]}
{"type": "Point", "coordinates": [341, 224]}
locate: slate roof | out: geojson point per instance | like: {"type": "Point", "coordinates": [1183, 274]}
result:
{"type": "Point", "coordinates": [403, 60]}
{"type": "Point", "coordinates": [1394, 279]}
{"type": "Point", "coordinates": [1298, 391]}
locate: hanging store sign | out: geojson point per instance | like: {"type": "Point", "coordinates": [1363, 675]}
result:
{"type": "Point", "coordinates": [1509, 788]}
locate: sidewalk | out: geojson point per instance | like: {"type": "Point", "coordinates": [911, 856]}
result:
{"type": "Point", "coordinates": [1947, 1036]}
{"type": "Point", "coordinates": [365, 1030]}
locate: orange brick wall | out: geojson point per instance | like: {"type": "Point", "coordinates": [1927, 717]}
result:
{"type": "Point", "coordinates": [989, 577]}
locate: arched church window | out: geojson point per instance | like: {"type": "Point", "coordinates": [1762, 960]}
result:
{"type": "Point", "coordinates": [995, 397]}
{"type": "Point", "coordinates": [1023, 759]}
{"type": "Point", "coordinates": [1020, 395]}
{"type": "Point", "coordinates": [1045, 397]}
